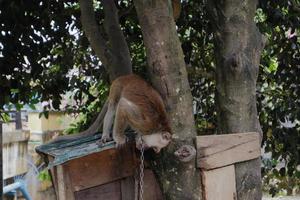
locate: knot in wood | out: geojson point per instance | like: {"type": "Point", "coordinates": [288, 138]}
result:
{"type": "Point", "coordinates": [185, 153]}
{"type": "Point", "coordinates": [234, 63]}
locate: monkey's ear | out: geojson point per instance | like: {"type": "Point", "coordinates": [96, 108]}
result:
{"type": "Point", "coordinates": [166, 136]}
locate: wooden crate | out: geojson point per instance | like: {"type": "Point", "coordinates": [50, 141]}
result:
{"type": "Point", "coordinates": [82, 170]}
{"type": "Point", "coordinates": [216, 158]}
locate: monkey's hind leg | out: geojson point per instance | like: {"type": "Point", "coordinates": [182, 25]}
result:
{"type": "Point", "coordinates": [107, 123]}
{"type": "Point", "coordinates": [120, 125]}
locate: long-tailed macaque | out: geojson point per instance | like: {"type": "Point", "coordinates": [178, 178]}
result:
{"type": "Point", "coordinates": [135, 103]}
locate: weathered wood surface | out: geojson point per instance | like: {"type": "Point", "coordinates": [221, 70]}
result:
{"type": "Point", "coordinates": [109, 191]}
{"type": "Point", "coordinates": [127, 188]}
{"type": "Point", "coordinates": [15, 152]}
{"type": "Point", "coordinates": [215, 151]}
{"type": "Point", "coordinates": [53, 174]}
{"type": "Point", "coordinates": [151, 188]}
{"type": "Point", "coordinates": [61, 191]}
{"type": "Point", "coordinates": [96, 173]}
{"type": "Point", "coordinates": [101, 168]}
{"type": "Point", "coordinates": [64, 186]}
{"type": "Point", "coordinates": [219, 184]}
{"type": "Point", "coordinates": [65, 150]}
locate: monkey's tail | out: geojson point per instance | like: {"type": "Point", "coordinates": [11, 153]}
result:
{"type": "Point", "coordinates": [95, 127]}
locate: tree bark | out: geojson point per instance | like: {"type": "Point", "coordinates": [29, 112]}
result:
{"type": "Point", "coordinates": [92, 32]}
{"type": "Point", "coordinates": [238, 46]}
{"type": "Point", "coordinates": [166, 68]}
{"type": "Point", "coordinates": [121, 62]}
{"type": "Point", "coordinates": [114, 53]}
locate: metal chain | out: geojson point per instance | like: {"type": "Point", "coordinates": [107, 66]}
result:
{"type": "Point", "coordinates": [142, 172]}
{"type": "Point", "coordinates": [139, 181]}
{"type": "Point", "coordinates": [136, 184]}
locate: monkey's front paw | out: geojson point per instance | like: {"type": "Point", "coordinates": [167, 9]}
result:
{"type": "Point", "coordinates": [103, 140]}
{"type": "Point", "coordinates": [120, 142]}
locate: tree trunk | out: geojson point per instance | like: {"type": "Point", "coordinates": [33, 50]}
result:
{"type": "Point", "coordinates": [166, 68]}
{"type": "Point", "coordinates": [238, 46]}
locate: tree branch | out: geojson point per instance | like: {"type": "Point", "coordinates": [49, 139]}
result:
{"type": "Point", "coordinates": [91, 29]}
{"type": "Point", "coordinates": [122, 61]}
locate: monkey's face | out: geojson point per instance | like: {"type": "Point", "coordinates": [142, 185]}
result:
{"type": "Point", "coordinates": [156, 141]}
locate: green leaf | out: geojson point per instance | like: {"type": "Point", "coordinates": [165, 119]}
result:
{"type": "Point", "coordinates": [45, 113]}
{"type": "Point", "coordinates": [273, 65]}
{"type": "Point", "coordinates": [14, 90]}
{"type": "Point", "coordinates": [32, 106]}
{"type": "Point", "coordinates": [19, 106]}
{"type": "Point", "coordinates": [44, 176]}
{"type": "Point", "coordinates": [260, 16]}
{"type": "Point", "coordinates": [5, 117]}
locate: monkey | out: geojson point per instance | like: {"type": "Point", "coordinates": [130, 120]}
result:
{"type": "Point", "coordinates": [135, 103]}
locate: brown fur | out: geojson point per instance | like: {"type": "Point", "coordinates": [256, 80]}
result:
{"type": "Point", "coordinates": [148, 101]}
{"type": "Point", "coordinates": [137, 104]}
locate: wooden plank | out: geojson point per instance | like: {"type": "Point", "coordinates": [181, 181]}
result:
{"type": "Point", "coordinates": [101, 168]}
{"type": "Point", "coordinates": [110, 191]}
{"type": "Point", "coordinates": [64, 189]}
{"type": "Point", "coordinates": [68, 184]}
{"type": "Point", "coordinates": [151, 188]}
{"type": "Point", "coordinates": [127, 188]}
{"type": "Point", "coordinates": [54, 181]}
{"type": "Point", "coordinates": [53, 173]}
{"type": "Point", "coordinates": [215, 151]}
{"type": "Point", "coordinates": [60, 183]}
{"type": "Point", "coordinates": [219, 184]}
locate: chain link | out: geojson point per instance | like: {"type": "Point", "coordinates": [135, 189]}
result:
{"type": "Point", "coordinates": [139, 181]}
{"type": "Point", "coordinates": [142, 172]}
{"type": "Point", "coordinates": [136, 184]}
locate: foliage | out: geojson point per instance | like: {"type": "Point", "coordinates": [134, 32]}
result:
{"type": "Point", "coordinates": [44, 176]}
{"type": "Point", "coordinates": [44, 54]}
{"type": "Point", "coordinates": [279, 89]}
{"type": "Point", "coordinates": [197, 44]}
{"type": "Point", "coordinates": [88, 113]}
{"type": "Point", "coordinates": [4, 117]}
{"type": "Point", "coordinates": [276, 181]}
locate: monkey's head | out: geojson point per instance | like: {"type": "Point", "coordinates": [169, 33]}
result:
{"type": "Point", "coordinates": [156, 141]}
